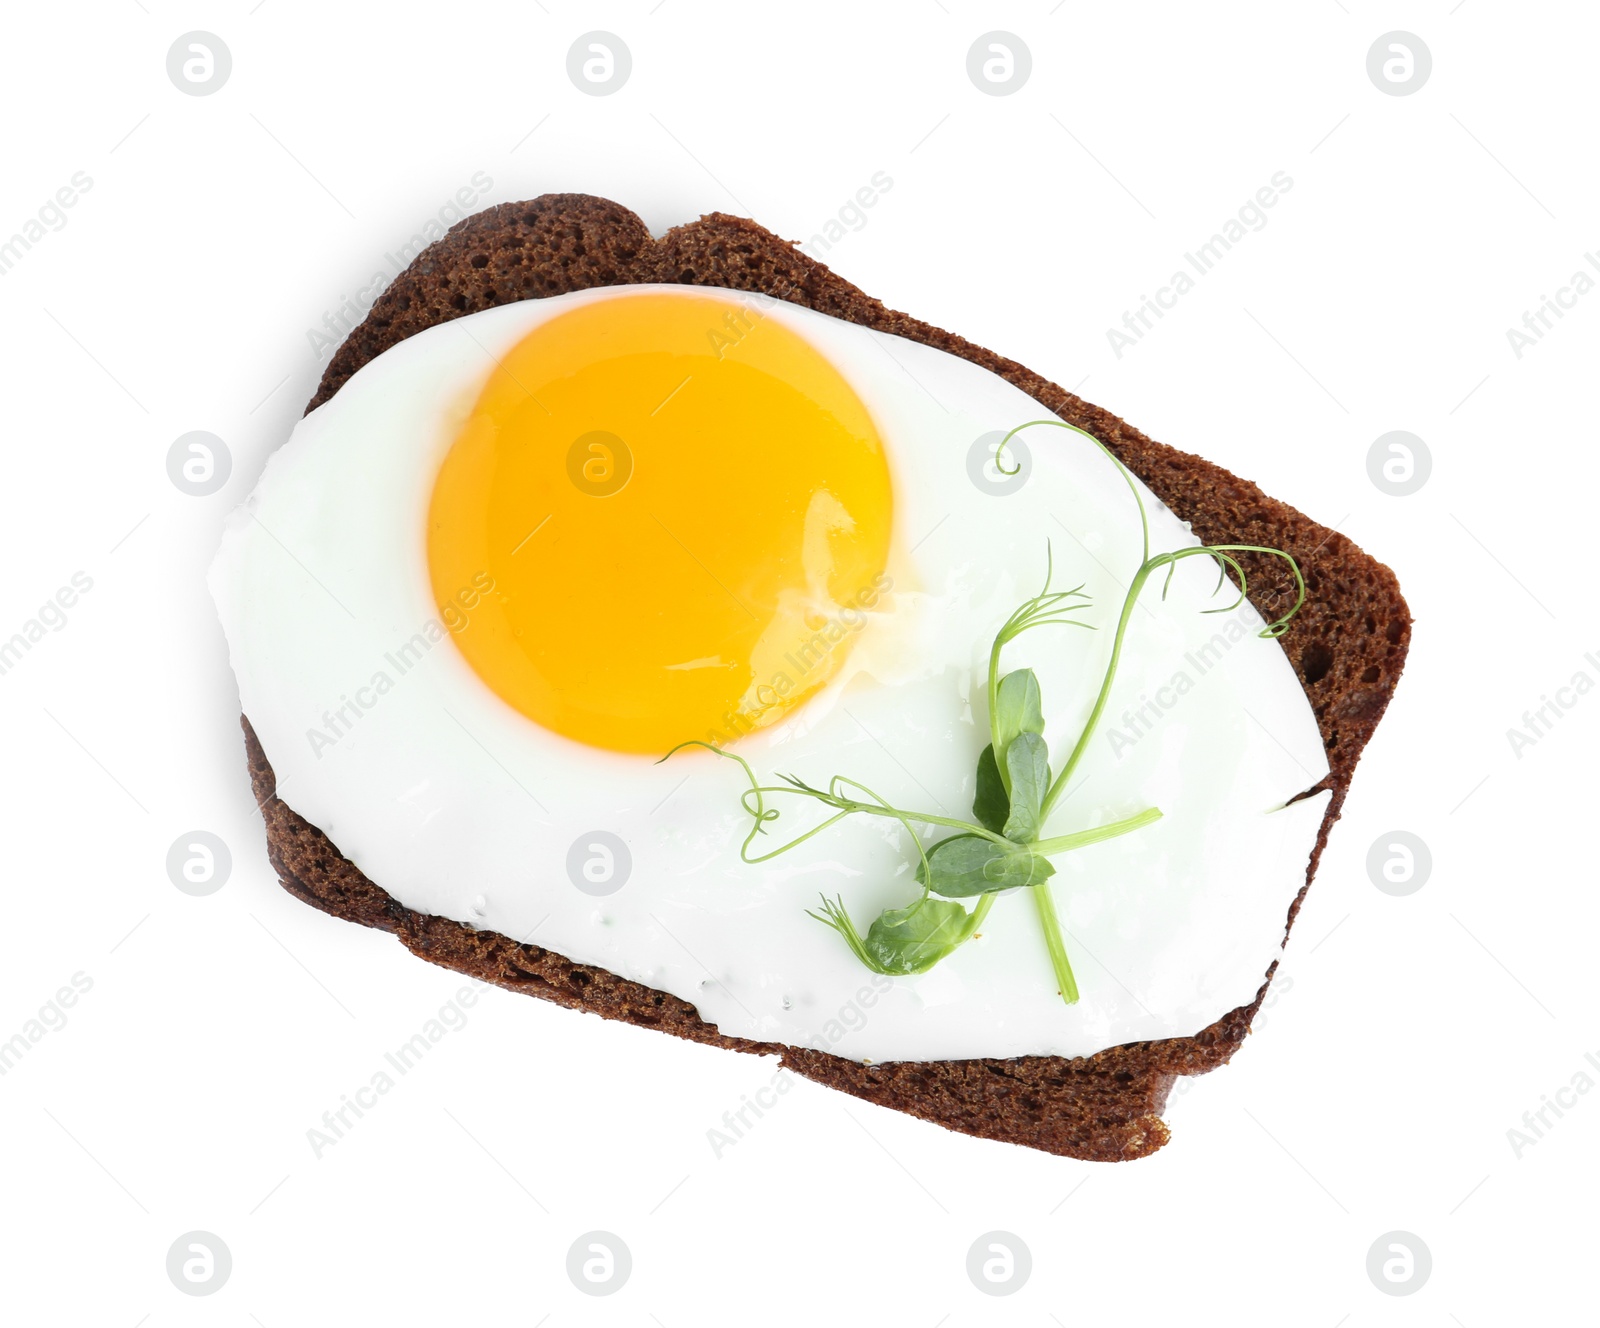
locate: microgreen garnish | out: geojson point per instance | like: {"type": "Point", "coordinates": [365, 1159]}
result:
{"type": "Point", "coordinates": [1004, 846]}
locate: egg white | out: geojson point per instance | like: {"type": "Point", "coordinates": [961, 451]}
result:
{"type": "Point", "coordinates": [459, 806]}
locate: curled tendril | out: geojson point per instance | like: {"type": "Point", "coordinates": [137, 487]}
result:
{"type": "Point", "coordinates": [1221, 553]}
{"type": "Point", "coordinates": [1122, 470]}
{"type": "Point", "coordinates": [753, 800]}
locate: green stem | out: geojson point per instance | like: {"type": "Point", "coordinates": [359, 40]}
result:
{"type": "Point", "coordinates": [1046, 904]}
{"type": "Point", "coordinates": [847, 806]}
{"type": "Point", "coordinates": [994, 712]}
{"type": "Point", "coordinates": [1105, 691]}
{"type": "Point", "coordinates": [1083, 838]}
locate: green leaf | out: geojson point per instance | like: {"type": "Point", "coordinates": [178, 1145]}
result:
{"type": "Point", "coordinates": [957, 865]}
{"type": "Point", "coordinates": [913, 940]}
{"type": "Point", "coordinates": [1028, 762]}
{"type": "Point", "coordinates": [1020, 867]}
{"type": "Point", "coordinates": [1017, 708]}
{"type": "Point", "coordinates": [967, 865]}
{"type": "Point", "coordinates": [990, 804]}
{"type": "Point", "coordinates": [903, 940]}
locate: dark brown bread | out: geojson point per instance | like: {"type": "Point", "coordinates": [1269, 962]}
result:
{"type": "Point", "coordinates": [1348, 646]}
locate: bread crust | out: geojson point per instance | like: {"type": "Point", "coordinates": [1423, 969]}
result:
{"type": "Point", "coordinates": [1347, 645]}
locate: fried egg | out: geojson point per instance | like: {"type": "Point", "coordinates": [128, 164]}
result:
{"type": "Point", "coordinates": [761, 508]}
{"type": "Point", "coordinates": [520, 556]}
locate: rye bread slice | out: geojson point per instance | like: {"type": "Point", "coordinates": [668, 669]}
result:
{"type": "Point", "coordinates": [1347, 645]}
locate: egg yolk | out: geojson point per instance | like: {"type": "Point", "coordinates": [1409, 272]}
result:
{"type": "Point", "coordinates": [662, 520]}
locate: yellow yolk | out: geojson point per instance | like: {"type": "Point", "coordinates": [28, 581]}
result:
{"type": "Point", "coordinates": [667, 514]}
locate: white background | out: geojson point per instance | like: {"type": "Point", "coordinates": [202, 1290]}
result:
{"type": "Point", "coordinates": [1408, 1035]}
